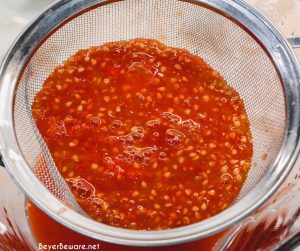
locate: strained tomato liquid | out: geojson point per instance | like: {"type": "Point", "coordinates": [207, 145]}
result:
{"type": "Point", "coordinates": [147, 137]}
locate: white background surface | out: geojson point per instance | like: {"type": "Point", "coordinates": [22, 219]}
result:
{"type": "Point", "coordinates": [16, 14]}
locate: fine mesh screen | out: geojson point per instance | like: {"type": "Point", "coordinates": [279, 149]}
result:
{"type": "Point", "coordinates": [215, 38]}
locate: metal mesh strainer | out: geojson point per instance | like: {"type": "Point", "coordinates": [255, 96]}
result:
{"type": "Point", "coordinates": [234, 39]}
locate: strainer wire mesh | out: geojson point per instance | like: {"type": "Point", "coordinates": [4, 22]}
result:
{"type": "Point", "coordinates": [204, 32]}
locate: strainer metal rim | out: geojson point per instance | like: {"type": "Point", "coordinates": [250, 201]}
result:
{"type": "Point", "coordinates": [20, 53]}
